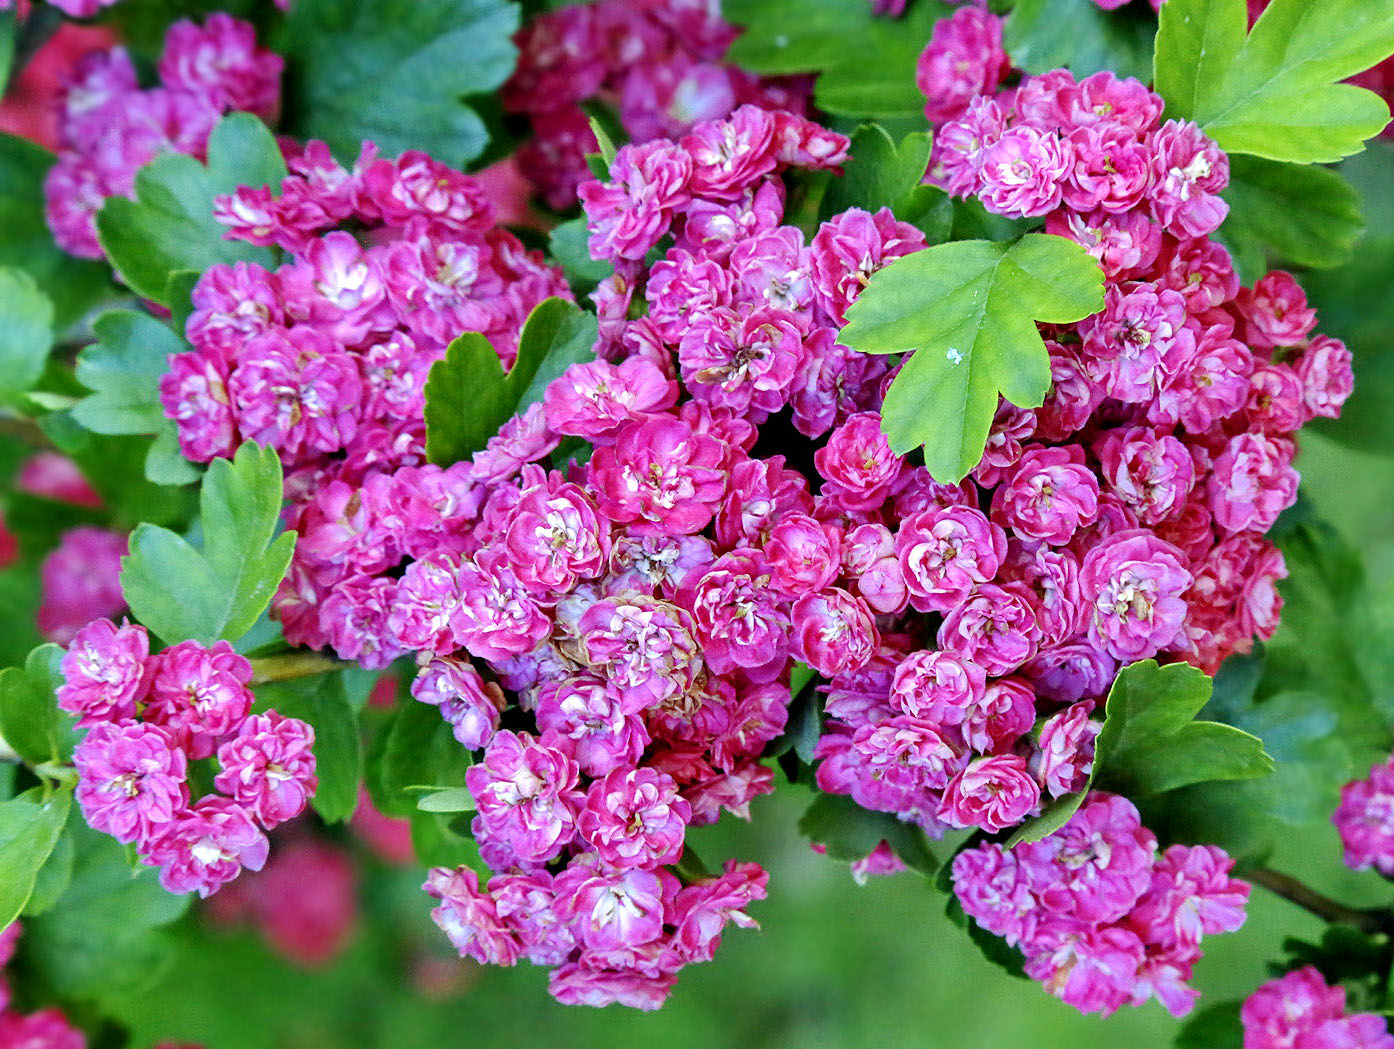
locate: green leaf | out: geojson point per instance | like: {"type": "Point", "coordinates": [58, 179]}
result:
{"type": "Point", "coordinates": [452, 799]}
{"type": "Point", "coordinates": [395, 72]}
{"type": "Point", "coordinates": [338, 747]}
{"type": "Point", "coordinates": [29, 719]}
{"type": "Point", "coordinates": [849, 832]}
{"type": "Point", "coordinates": [74, 285]}
{"type": "Point", "coordinates": [54, 875]}
{"type": "Point", "coordinates": [867, 63]}
{"type": "Point", "coordinates": [416, 747]}
{"type": "Point", "coordinates": [169, 227]}
{"type": "Point", "coordinates": [26, 332]}
{"type": "Point", "coordinates": [1276, 92]}
{"type": "Point", "coordinates": [468, 396]}
{"type": "Point", "coordinates": [1151, 743]}
{"type": "Point", "coordinates": [879, 174]}
{"type": "Point", "coordinates": [1214, 1027]}
{"type": "Point", "coordinates": [123, 369]}
{"type": "Point", "coordinates": [181, 592]}
{"type": "Point", "coordinates": [1293, 214]}
{"type": "Point", "coordinates": [7, 46]}
{"type": "Point", "coordinates": [995, 949]}
{"type": "Point", "coordinates": [568, 244]}
{"type": "Point", "coordinates": [102, 940]}
{"type": "Point", "coordinates": [969, 310]}
{"type": "Point", "coordinates": [29, 828]}
{"type": "Point", "coordinates": [1042, 35]}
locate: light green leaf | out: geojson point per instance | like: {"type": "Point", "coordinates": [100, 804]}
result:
{"type": "Point", "coordinates": [338, 747]}
{"type": "Point", "coordinates": [468, 396]}
{"type": "Point", "coordinates": [452, 799]}
{"type": "Point", "coordinates": [1293, 214]}
{"type": "Point", "coordinates": [1276, 92]}
{"type": "Point", "coordinates": [181, 592]}
{"type": "Point", "coordinates": [26, 332]}
{"type": "Point", "coordinates": [123, 369]}
{"type": "Point", "coordinates": [569, 249]}
{"type": "Point", "coordinates": [29, 719]}
{"type": "Point", "coordinates": [1042, 35]}
{"type": "Point", "coordinates": [969, 311]}
{"type": "Point", "coordinates": [416, 747]}
{"type": "Point", "coordinates": [170, 227]}
{"type": "Point", "coordinates": [29, 828]}
{"type": "Point", "coordinates": [880, 174]}
{"type": "Point", "coordinates": [395, 72]}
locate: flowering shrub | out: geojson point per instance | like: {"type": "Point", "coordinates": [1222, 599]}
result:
{"type": "Point", "coordinates": [948, 476]}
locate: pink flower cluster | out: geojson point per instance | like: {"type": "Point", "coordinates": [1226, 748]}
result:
{"type": "Point", "coordinates": [1301, 1011]}
{"type": "Point", "coordinates": [148, 716]}
{"type": "Point", "coordinates": [1102, 918]}
{"type": "Point", "coordinates": [71, 8]}
{"type": "Point", "coordinates": [1365, 820]}
{"type": "Point", "coordinates": [657, 61]}
{"type": "Point", "coordinates": [109, 127]}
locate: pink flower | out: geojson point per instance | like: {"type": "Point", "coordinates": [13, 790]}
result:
{"type": "Point", "coordinates": [993, 891]}
{"type": "Point", "coordinates": [1189, 172]}
{"type": "Point", "coordinates": [851, 246]}
{"type": "Point", "coordinates": [1049, 495]}
{"type": "Point", "coordinates": [1004, 714]}
{"type": "Point", "coordinates": [200, 695]}
{"type": "Point", "coordinates": [1131, 347]}
{"type": "Point", "coordinates": [702, 910]}
{"type": "Point", "coordinates": [1021, 172]}
{"type": "Point", "coordinates": [803, 554]}
{"type": "Point", "coordinates": [1327, 380]}
{"type": "Point", "coordinates": [659, 477]}
{"type": "Point", "coordinates": [963, 59]}
{"type": "Point", "coordinates": [527, 798]}
{"type": "Point", "coordinates": [1192, 895]}
{"type": "Point", "coordinates": [945, 552]}
{"type": "Point", "coordinates": [1064, 755]}
{"type": "Point", "coordinates": [468, 703]}
{"type": "Point", "coordinates": [634, 818]}
{"type": "Point", "coordinates": [1091, 968]}
{"type": "Point", "coordinates": [496, 616]}
{"type": "Point", "coordinates": [740, 620]}
{"type": "Point", "coordinates": [993, 793]}
{"type": "Point", "coordinates": [194, 393]}
{"type": "Point", "coordinates": [1110, 169]}
{"type": "Point", "coordinates": [1132, 584]}
{"type": "Point", "coordinates": [646, 648]}
{"type": "Point", "coordinates": [555, 537]}
{"type": "Point", "coordinates": [729, 156]}
{"type": "Point", "coordinates": [47, 1028]}
{"type": "Point", "coordinates": [994, 626]}
{"type": "Point", "coordinates": [745, 362]}
{"type": "Point", "coordinates": [269, 767]}
{"type": "Point", "coordinates": [1278, 1013]}
{"type": "Point", "coordinates": [206, 847]}
{"type": "Point", "coordinates": [221, 62]}
{"type": "Point", "coordinates": [106, 672]}
{"type": "Point", "coordinates": [858, 464]}
{"type": "Point", "coordinates": [937, 687]}
{"type": "Point", "coordinates": [585, 717]}
{"type": "Point", "coordinates": [594, 399]}
{"type": "Point", "coordinates": [1365, 820]}
{"type": "Point", "coordinates": [1275, 312]}
{"type": "Point", "coordinates": [525, 905]}
{"type": "Point", "coordinates": [630, 214]}
{"type": "Point", "coordinates": [469, 917]}
{"type": "Point", "coordinates": [419, 191]}
{"type": "Point", "coordinates": [611, 912]}
{"type": "Point", "coordinates": [1153, 473]}
{"type": "Point", "coordinates": [131, 780]}
{"type": "Point", "coordinates": [834, 632]}
{"type": "Point", "coordinates": [1252, 482]}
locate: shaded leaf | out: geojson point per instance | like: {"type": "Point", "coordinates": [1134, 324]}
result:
{"type": "Point", "coordinates": [29, 828]}
{"type": "Point", "coordinates": [1079, 35]}
{"type": "Point", "coordinates": [850, 832]}
{"type": "Point", "coordinates": [881, 174]}
{"type": "Point", "coordinates": [468, 395]}
{"type": "Point", "coordinates": [26, 332]}
{"type": "Point", "coordinates": [29, 718]}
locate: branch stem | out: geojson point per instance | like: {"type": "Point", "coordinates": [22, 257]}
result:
{"type": "Point", "coordinates": [292, 665]}
{"type": "Point", "coordinates": [1292, 890]}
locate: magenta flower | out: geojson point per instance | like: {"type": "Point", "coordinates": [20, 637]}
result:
{"type": "Point", "coordinates": [206, 847]}
{"type": "Point", "coordinates": [741, 621]}
{"type": "Point", "coordinates": [199, 695]}
{"type": "Point", "coordinates": [468, 703]}
{"type": "Point", "coordinates": [1064, 755]}
{"type": "Point", "coordinates": [834, 632]}
{"type": "Point", "coordinates": [634, 818]}
{"type": "Point", "coordinates": [611, 912]}
{"type": "Point", "coordinates": [993, 793]}
{"type": "Point", "coordinates": [1050, 494]}
{"type": "Point", "coordinates": [1365, 820]}
{"type": "Point", "coordinates": [857, 463]}
{"type": "Point", "coordinates": [1153, 473]}
{"type": "Point", "coordinates": [850, 247]}
{"type": "Point", "coordinates": [269, 768]}
{"type": "Point", "coordinates": [527, 797]}
{"type": "Point", "coordinates": [963, 60]}
{"type": "Point", "coordinates": [937, 687]}
{"type": "Point", "coordinates": [1132, 584]}
{"type": "Point", "coordinates": [646, 648]}
{"type": "Point", "coordinates": [1192, 895]}
{"type": "Point", "coordinates": [469, 917]}
{"type": "Point", "coordinates": [106, 672]}
{"type": "Point", "coordinates": [630, 214]}
{"type": "Point", "coordinates": [996, 627]}
{"type": "Point", "coordinates": [131, 780]}
{"type": "Point", "coordinates": [945, 552]}
{"type": "Point", "coordinates": [1252, 482]}
{"type": "Point", "coordinates": [660, 476]}
{"type": "Point", "coordinates": [584, 717]}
